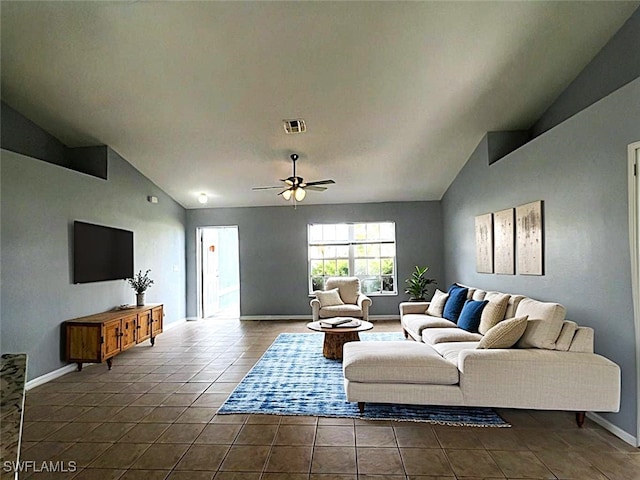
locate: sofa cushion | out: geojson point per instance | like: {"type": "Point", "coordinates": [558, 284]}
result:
{"type": "Point", "coordinates": [329, 297]}
{"type": "Point", "coordinates": [349, 287]}
{"type": "Point", "coordinates": [514, 301]}
{"type": "Point", "coordinates": [494, 311]}
{"type": "Point", "coordinates": [451, 350]}
{"type": "Point", "coordinates": [432, 336]}
{"type": "Point", "coordinates": [566, 335]}
{"type": "Point", "coordinates": [396, 362]}
{"type": "Point", "coordinates": [544, 324]}
{"type": "Point", "coordinates": [478, 294]}
{"type": "Point", "coordinates": [436, 306]}
{"type": "Point", "coordinates": [469, 318]}
{"type": "Point", "coordinates": [473, 293]}
{"type": "Point", "coordinates": [346, 310]}
{"type": "Point", "coordinates": [455, 302]}
{"type": "Point", "coordinates": [582, 340]}
{"type": "Point", "coordinates": [505, 334]}
{"type": "Point", "coordinates": [417, 323]}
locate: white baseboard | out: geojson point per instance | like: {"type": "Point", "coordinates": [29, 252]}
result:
{"type": "Point", "coordinates": [384, 318]}
{"type": "Point", "coordinates": [275, 317]}
{"type": "Point", "coordinates": [47, 377]}
{"type": "Point", "coordinates": [617, 431]}
{"type": "Point", "coordinates": [171, 325]}
{"type": "Point", "coordinates": [308, 318]}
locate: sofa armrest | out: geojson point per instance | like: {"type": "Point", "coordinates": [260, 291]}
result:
{"type": "Point", "coordinates": [413, 307]}
{"type": "Point", "coordinates": [539, 379]}
{"type": "Point", "coordinates": [364, 303]}
{"type": "Point", "coordinates": [315, 309]}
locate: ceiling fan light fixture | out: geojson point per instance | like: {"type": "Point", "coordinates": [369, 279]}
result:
{"type": "Point", "coordinates": [297, 125]}
{"type": "Point", "coordinates": [300, 194]}
{"type": "Point", "coordinates": [295, 187]}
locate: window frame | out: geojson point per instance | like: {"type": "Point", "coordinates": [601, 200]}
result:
{"type": "Point", "coordinates": [351, 242]}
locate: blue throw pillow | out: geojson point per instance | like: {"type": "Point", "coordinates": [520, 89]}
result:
{"type": "Point", "coordinates": [469, 319]}
{"type": "Point", "coordinates": [453, 307]}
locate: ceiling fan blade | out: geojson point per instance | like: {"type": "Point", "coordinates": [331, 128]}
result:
{"type": "Point", "coordinates": [285, 190]}
{"type": "Point", "coordinates": [265, 188]}
{"type": "Point", "coordinates": [321, 182]}
{"type": "Point", "coordinates": [315, 188]}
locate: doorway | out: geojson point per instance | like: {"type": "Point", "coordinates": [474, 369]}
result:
{"type": "Point", "coordinates": [634, 236]}
{"type": "Point", "coordinates": [218, 272]}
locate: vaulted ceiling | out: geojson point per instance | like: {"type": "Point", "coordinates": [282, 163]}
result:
{"type": "Point", "coordinates": [395, 95]}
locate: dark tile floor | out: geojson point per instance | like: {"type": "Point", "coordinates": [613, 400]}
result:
{"type": "Point", "coordinates": [153, 416]}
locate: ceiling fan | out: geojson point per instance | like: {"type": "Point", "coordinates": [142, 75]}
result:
{"type": "Point", "coordinates": [295, 187]}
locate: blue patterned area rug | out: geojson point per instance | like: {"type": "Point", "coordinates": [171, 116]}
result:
{"type": "Point", "coordinates": [294, 378]}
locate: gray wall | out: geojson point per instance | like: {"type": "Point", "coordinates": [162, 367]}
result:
{"type": "Point", "coordinates": [579, 170]}
{"type": "Point", "coordinates": [40, 201]}
{"type": "Point", "coordinates": [617, 64]}
{"type": "Point", "coordinates": [273, 250]}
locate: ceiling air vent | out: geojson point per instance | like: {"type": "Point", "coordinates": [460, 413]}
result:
{"type": "Point", "coordinates": [295, 126]}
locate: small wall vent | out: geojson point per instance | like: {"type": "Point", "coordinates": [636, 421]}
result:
{"type": "Point", "coordinates": [295, 126]}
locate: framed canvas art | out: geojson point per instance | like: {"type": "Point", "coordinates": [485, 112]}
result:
{"type": "Point", "coordinates": [529, 237]}
{"type": "Point", "coordinates": [484, 243]}
{"type": "Point", "coordinates": [504, 242]}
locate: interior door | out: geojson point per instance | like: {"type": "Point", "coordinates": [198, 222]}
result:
{"type": "Point", "coordinates": [210, 272]}
{"type": "Point", "coordinates": [218, 272]}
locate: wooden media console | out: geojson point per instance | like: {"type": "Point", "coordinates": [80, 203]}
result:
{"type": "Point", "coordinates": [100, 337]}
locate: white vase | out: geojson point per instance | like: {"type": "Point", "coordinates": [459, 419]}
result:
{"type": "Point", "coordinates": [140, 299]}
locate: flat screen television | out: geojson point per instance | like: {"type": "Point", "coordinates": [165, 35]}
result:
{"type": "Point", "coordinates": [101, 253]}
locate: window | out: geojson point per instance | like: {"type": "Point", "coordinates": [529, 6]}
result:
{"type": "Point", "coordinates": [363, 250]}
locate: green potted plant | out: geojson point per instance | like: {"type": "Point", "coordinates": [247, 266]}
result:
{"type": "Point", "coordinates": [140, 283]}
{"type": "Point", "coordinates": [418, 284]}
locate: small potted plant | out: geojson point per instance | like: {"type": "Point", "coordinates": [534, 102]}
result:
{"type": "Point", "coordinates": [418, 284]}
{"type": "Point", "coordinates": [140, 283]}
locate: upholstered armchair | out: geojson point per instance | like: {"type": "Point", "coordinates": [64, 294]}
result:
{"type": "Point", "coordinates": [341, 298]}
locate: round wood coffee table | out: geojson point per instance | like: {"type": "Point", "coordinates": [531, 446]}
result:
{"type": "Point", "coordinates": [336, 337]}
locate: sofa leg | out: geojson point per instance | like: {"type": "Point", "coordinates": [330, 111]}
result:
{"type": "Point", "coordinates": [580, 419]}
{"type": "Point", "coordinates": [361, 407]}
{"type": "Point", "coordinates": [406, 334]}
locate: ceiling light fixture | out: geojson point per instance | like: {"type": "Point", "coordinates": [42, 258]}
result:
{"type": "Point", "coordinates": [300, 193]}
{"type": "Point", "coordinates": [203, 198]}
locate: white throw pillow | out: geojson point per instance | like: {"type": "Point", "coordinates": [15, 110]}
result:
{"type": "Point", "coordinates": [329, 298]}
{"type": "Point", "coordinates": [436, 306]}
{"type": "Point", "coordinates": [504, 334]}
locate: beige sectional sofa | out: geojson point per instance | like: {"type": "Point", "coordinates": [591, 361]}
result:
{"type": "Point", "coordinates": [552, 365]}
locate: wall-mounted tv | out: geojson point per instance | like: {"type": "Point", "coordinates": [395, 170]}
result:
{"type": "Point", "coordinates": [101, 253]}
